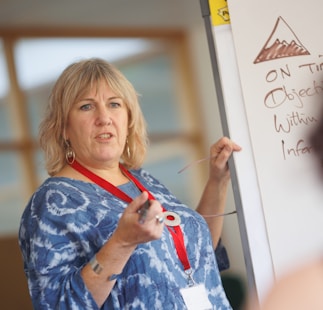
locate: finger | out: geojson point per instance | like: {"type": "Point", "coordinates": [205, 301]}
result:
{"type": "Point", "coordinates": [159, 219]}
{"type": "Point", "coordinates": [217, 148]}
{"type": "Point", "coordinates": [225, 147]}
{"type": "Point", "coordinates": [138, 202]}
{"type": "Point", "coordinates": [220, 161]}
{"type": "Point", "coordinates": [236, 147]}
{"type": "Point", "coordinates": [154, 209]}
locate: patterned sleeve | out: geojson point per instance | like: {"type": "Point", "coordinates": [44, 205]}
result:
{"type": "Point", "coordinates": [54, 249]}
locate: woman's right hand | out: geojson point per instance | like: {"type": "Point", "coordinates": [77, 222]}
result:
{"type": "Point", "coordinates": [116, 252]}
{"type": "Point", "coordinates": [130, 232]}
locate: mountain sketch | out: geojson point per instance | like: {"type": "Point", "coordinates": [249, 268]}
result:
{"type": "Point", "coordinates": [282, 42]}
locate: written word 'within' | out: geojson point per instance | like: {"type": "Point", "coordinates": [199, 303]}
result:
{"type": "Point", "coordinates": [289, 121]}
{"type": "Point", "coordinates": [282, 95]}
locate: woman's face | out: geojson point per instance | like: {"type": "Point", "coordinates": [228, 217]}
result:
{"type": "Point", "coordinates": [97, 127]}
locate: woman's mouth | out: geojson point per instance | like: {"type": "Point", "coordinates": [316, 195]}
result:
{"type": "Point", "coordinates": [105, 136]}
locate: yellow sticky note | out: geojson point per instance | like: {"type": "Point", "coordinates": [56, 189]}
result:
{"type": "Point", "coordinates": [219, 12]}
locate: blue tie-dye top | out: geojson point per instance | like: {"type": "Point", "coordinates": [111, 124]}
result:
{"type": "Point", "coordinates": [67, 221]}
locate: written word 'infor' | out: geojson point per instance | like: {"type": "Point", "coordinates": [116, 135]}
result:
{"type": "Point", "coordinates": [295, 119]}
{"type": "Point", "coordinates": [281, 95]}
{"type": "Point", "coordinates": [295, 151]}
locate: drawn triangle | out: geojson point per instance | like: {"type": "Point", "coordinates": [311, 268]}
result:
{"type": "Point", "coordinates": [281, 43]}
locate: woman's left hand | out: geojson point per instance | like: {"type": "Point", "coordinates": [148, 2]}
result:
{"type": "Point", "coordinates": [220, 153]}
{"type": "Point", "coordinates": [214, 196]}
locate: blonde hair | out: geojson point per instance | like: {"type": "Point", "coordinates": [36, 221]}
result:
{"type": "Point", "coordinates": [77, 79]}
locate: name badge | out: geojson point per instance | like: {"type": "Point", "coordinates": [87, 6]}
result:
{"type": "Point", "coordinates": [195, 298]}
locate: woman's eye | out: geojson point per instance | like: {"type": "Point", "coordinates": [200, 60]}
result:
{"type": "Point", "coordinates": [86, 107]}
{"type": "Point", "coordinates": [115, 104]}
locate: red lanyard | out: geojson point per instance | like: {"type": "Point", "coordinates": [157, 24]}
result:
{"type": "Point", "coordinates": [176, 232]}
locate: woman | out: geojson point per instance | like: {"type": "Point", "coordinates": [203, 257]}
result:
{"type": "Point", "coordinates": [86, 242]}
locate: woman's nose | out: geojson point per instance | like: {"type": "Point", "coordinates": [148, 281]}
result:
{"type": "Point", "coordinates": [103, 118]}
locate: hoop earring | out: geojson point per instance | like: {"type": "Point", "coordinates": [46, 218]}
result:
{"type": "Point", "coordinates": [69, 153]}
{"type": "Point", "coordinates": [128, 149]}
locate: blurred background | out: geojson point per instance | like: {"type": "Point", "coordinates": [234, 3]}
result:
{"type": "Point", "coordinates": [162, 49]}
